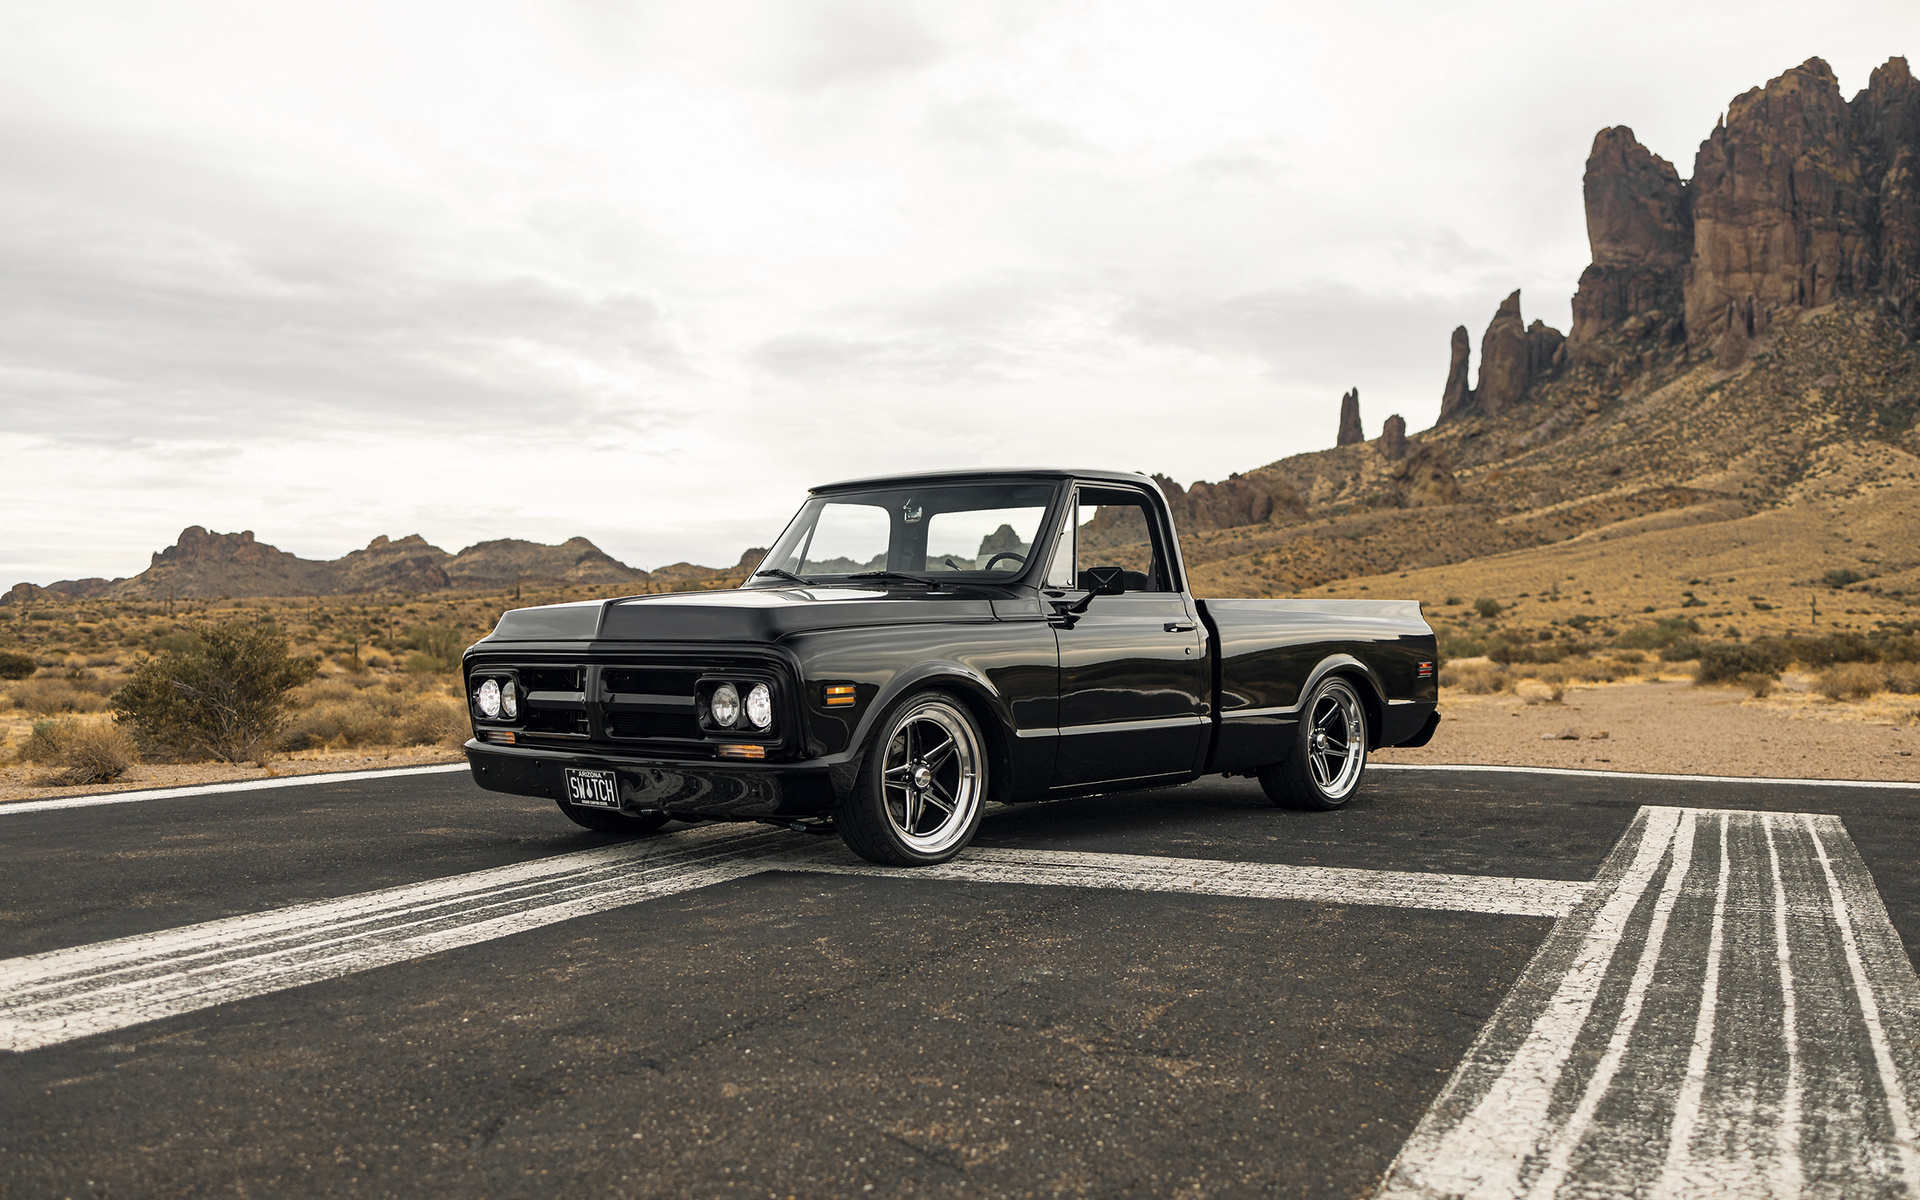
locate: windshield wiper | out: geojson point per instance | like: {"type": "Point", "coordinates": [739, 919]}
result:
{"type": "Point", "coordinates": [894, 577]}
{"type": "Point", "coordinates": [780, 574]}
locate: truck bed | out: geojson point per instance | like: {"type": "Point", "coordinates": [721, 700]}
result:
{"type": "Point", "coordinates": [1268, 652]}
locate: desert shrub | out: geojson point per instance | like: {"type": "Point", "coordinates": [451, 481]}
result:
{"type": "Point", "coordinates": [1840, 577]}
{"type": "Point", "coordinates": [1527, 652]}
{"type": "Point", "coordinates": [433, 721]}
{"type": "Point", "coordinates": [1833, 648]}
{"type": "Point", "coordinates": [1476, 679]}
{"type": "Point", "coordinates": [357, 719]}
{"type": "Point", "coordinates": [223, 697]}
{"type": "Point", "coordinates": [1488, 607]}
{"type": "Point", "coordinates": [1659, 635]}
{"type": "Point", "coordinates": [1903, 677]}
{"type": "Point", "coordinates": [52, 695]}
{"type": "Point", "coordinates": [1727, 662]}
{"type": "Point", "coordinates": [1758, 684]}
{"type": "Point", "coordinates": [1682, 651]}
{"type": "Point", "coordinates": [1467, 645]}
{"type": "Point", "coordinates": [434, 649]}
{"type": "Point", "coordinates": [1851, 681]}
{"type": "Point", "coordinates": [344, 717]}
{"type": "Point", "coordinates": [1629, 656]}
{"type": "Point", "coordinates": [14, 665]}
{"type": "Point", "coordinates": [43, 744]}
{"type": "Point", "coordinates": [80, 752]}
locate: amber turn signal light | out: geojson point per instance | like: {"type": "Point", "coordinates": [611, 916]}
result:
{"type": "Point", "coordinates": [838, 695]}
{"type": "Point", "coordinates": [503, 736]}
{"type": "Point", "coordinates": [743, 752]}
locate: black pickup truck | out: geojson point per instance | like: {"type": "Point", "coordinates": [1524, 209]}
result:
{"type": "Point", "coordinates": [916, 645]}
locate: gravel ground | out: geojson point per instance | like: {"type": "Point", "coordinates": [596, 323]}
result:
{"type": "Point", "coordinates": [1673, 727]}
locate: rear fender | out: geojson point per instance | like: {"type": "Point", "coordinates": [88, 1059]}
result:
{"type": "Point", "coordinates": [1372, 692]}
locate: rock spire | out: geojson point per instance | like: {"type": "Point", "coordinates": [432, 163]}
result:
{"type": "Point", "coordinates": [1350, 431]}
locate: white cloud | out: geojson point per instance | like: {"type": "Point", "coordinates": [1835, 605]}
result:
{"type": "Point", "coordinates": [645, 271]}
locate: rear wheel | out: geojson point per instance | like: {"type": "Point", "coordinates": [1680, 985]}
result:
{"type": "Point", "coordinates": [602, 820]}
{"type": "Point", "coordinates": [919, 795]}
{"type": "Point", "coordinates": [1329, 751]}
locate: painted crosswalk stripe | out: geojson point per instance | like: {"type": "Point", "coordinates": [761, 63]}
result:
{"type": "Point", "coordinates": [66, 994]}
{"type": "Point", "coordinates": [1658, 1042]}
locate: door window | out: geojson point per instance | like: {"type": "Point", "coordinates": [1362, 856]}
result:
{"type": "Point", "coordinates": [1114, 527]}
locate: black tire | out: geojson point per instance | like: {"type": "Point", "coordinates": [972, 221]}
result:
{"type": "Point", "coordinates": [1322, 771]}
{"type": "Point", "coordinates": [922, 784]}
{"type": "Point", "coordinates": [602, 820]}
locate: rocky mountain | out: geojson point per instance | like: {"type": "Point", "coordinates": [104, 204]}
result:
{"type": "Point", "coordinates": [1738, 337]}
{"type": "Point", "coordinates": [204, 565]}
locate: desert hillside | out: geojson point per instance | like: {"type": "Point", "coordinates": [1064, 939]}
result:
{"type": "Point", "coordinates": [1738, 397]}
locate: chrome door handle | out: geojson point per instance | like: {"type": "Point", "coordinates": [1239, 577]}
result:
{"type": "Point", "coordinates": [1179, 626]}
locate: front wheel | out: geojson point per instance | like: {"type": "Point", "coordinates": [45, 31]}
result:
{"type": "Point", "coordinates": [602, 820]}
{"type": "Point", "coordinates": [1329, 751]}
{"type": "Point", "coordinates": [918, 798]}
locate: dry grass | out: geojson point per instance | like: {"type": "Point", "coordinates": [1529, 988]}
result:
{"type": "Point", "coordinates": [1863, 681]}
{"type": "Point", "coordinates": [79, 752]}
{"type": "Point", "coordinates": [362, 710]}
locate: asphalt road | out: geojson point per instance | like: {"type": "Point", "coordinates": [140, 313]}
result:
{"type": "Point", "coordinates": [798, 1033]}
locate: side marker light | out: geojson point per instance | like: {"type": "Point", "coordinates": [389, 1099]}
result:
{"type": "Point", "coordinates": [839, 695]}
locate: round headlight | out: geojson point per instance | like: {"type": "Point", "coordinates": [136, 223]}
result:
{"type": "Point", "coordinates": [510, 700]}
{"type": "Point", "coordinates": [760, 706]}
{"type": "Point", "coordinates": [488, 698]}
{"type": "Point", "coordinates": [726, 705]}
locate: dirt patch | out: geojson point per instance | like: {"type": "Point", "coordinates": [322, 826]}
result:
{"type": "Point", "coordinates": [1673, 727]}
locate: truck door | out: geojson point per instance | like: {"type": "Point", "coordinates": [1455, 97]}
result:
{"type": "Point", "coordinates": [1134, 677]}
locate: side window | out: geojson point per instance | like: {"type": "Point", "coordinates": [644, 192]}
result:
{"type": "Point", "coordinates": [1113, 527]}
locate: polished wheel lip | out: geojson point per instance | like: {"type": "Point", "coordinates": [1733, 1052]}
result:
{"type": "Point", "coordinates": [1336, 740]}
{"type": "Point", "coordinates": [930, 777]}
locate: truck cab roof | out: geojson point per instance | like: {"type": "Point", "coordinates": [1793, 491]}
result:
{"type": "Point", "coordinates": [982, 473]}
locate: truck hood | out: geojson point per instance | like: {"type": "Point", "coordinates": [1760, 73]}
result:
{"type": "Point", "coordinates": [745, 615]}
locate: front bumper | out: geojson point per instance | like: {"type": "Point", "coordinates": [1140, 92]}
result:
{"type": "Point", "coordinates": [675, 786]}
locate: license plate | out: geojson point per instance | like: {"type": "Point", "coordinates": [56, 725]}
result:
{"type": "Point", "coordinates": [594, 789]}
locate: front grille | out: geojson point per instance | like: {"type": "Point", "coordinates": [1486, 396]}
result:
{"type": "Point", "coordinates": [554, 720]}
{"type": "Point", "coordinates": [552, 679]}
{"type": "Point", "coordinates": [650, 707]}
{"type": "Point", "coordinates": [629, 681]}
{"type": "Point", "coordinates": [653, 725]}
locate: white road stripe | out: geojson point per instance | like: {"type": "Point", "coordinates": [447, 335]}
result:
{"type": "Point", "coordinates": [1896, 1093]}
{"type": "Point", "coordinates": [1579, 773]}
{"type": "Point", "coordinates": [1264, 881]}
{"type": "Point", "coordinates": [1788, 1177]}
{"type": "Point", "coordinates": [18, 807]}
{"type": "Point", "coordinates": [1677, 1173]}
{"type": "Point", "coordinates": [65, 994]}
{"type": "Point", "coordinates": [1594, 1079]}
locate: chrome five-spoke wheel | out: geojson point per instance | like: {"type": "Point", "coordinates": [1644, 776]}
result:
{"type": "Point", "coordinates": [1329, 751]}
{"type": "Point", "coordinates": [920, 799]}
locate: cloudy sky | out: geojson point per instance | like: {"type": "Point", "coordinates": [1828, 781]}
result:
{"type": "Point", "coordinates": [644, 271]}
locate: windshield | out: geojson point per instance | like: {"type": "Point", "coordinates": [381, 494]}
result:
{"type": "Point", "coordinates": [977, 531]}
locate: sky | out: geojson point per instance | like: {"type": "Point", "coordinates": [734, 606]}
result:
{"type": "Point", "coordinates": [644, 272]}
